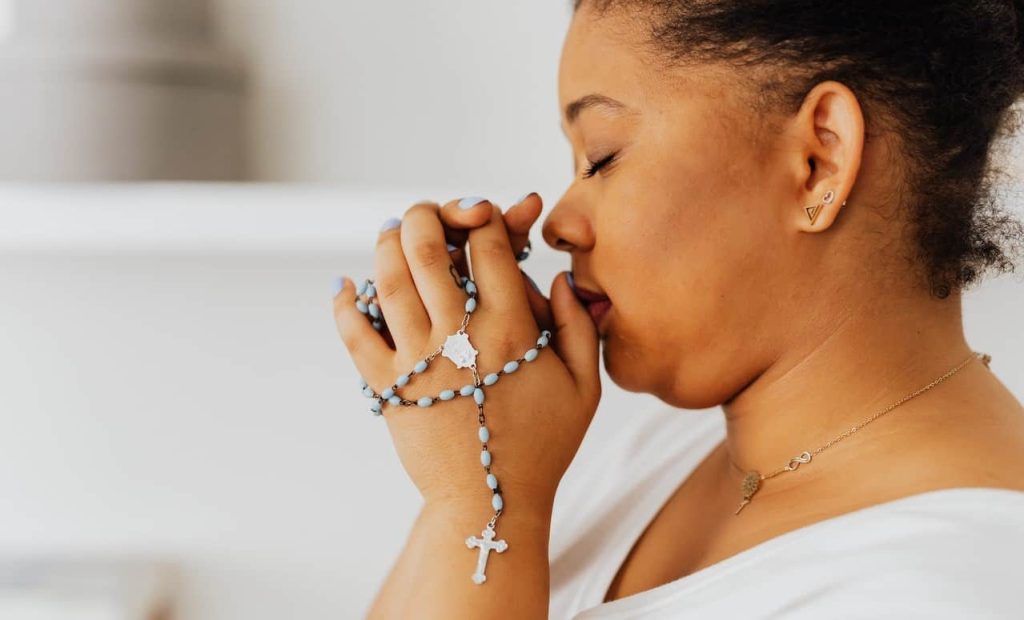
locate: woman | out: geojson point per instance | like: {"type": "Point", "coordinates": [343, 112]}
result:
{"type": "Point", "coordinates": [777, 206]}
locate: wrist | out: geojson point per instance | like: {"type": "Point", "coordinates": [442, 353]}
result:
{"type": "Point", "coordinates": [472, 515]}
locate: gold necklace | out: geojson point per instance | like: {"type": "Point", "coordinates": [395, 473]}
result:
{"type": "Point", "coordinates": [752, 480]}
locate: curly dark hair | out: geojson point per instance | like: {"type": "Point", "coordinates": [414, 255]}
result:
{"type": "Point", "coordinates": [943, 75]}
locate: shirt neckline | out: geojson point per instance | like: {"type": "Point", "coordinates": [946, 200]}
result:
{"type": "Point", "coordinates": [714, 571]}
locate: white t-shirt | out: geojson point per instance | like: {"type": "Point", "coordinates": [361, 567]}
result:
{"type": "Point", "coordinates": [950, 553]}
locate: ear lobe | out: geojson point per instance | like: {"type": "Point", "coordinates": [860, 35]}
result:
{"type": "Point", "coordinates": [830, 126]}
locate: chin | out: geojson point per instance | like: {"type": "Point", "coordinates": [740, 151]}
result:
{"type": "Point", "coordinates": [621, 367]}
{"type": "Point", "coordinates": [691, 390]}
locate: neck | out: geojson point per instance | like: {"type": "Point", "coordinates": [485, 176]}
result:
{"type": "Point", "coordinates": [869, 358]}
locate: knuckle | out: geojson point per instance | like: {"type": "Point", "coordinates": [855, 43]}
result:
{"type": "Point", "coordinates": [423, 205]}
{"type": "Point", "coordinates": [387, 287]}
{"type": "Point", "coordinates": [492, 247]}
{"type": "Point", "coordinates": [428, 255]}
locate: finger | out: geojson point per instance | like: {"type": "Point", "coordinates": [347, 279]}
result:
{"type": "Point", "coordinates": [430, 263]}
{"type": "Point", "coordinates": [399, 300]}
{"type": "Point", "coordinates": [366, 346]}
{"type": "Point", "coordinates": [494, 267]}
{"type": "Point", "coordinates": [575, 337]}
{"type": "Point", "coordinates": [458, 256]}
{"type": "Point", "coordinates": [539, 304]}
{"type": "Point", "coordinates": [519, 218]}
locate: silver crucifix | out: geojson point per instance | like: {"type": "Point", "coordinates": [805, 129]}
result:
{"type": "Point", "coordinates": [486, 544]}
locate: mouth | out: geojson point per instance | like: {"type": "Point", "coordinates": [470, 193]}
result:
{"type": "Point", "coordinates": [598, 304]}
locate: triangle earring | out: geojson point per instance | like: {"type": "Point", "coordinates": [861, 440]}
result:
{"type": "Point", "coordinates": [813, 211]}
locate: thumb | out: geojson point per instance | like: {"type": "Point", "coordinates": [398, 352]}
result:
{"type": "Point", "coordinates": [575, 338]}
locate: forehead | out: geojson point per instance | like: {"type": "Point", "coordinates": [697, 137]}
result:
{"type": "Point", "coordinates": [602, 55]}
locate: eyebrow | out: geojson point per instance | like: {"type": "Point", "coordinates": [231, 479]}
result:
{"type": "Point", "coordinates": [575, 108]}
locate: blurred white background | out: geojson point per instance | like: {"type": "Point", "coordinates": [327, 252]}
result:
{"type": "Point", "coordinates": [178, 419]}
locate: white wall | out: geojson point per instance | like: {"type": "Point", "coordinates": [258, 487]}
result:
{"type": "Point", "coordinates": [412, 94]}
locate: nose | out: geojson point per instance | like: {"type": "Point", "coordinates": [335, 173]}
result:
{"type": "Point", "coordinates": [567, 229]}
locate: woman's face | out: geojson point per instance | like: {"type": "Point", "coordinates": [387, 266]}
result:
{"type": "Point", "coordinates": [687, 230]}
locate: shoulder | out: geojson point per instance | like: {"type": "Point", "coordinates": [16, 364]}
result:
{"type": "Point", "coordinates": [947, 553]}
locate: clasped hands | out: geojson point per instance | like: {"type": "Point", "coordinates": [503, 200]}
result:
{"type": "Point", "coordinates": [537, 416]}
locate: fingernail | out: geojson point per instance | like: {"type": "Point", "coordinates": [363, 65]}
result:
{"type": "Point", "coordinates": [336, 285]}
{"type": "Point", "coordinates": [470, 201]}
{"type": "Point", "coordinates": [532, 283]}
{"type": "Point", "coordinates": [572, 283]}
{"type": "Point", "coordinates": [523, 197]}
{"type": "Point", "coordinates": [391, 222]}
{"type": "Point", "coordinates": [452, 248]}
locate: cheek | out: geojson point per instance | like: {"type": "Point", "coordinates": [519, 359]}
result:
{"type": "Point", "coordinates": [686, 267]}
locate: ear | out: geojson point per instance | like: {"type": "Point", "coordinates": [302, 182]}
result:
{"type": "Point", "coordinates": [829, 132]}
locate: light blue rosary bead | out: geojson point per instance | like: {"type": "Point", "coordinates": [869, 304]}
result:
{"type": "Point", "coordinates": [478, 396]}
{"type": "Point", "coordinates": [388, 393]}
{"type": "Point", "coordinates": [484, 433]}
{"type": "Point", "coordinates": [374, 310]}
{"type": "Point", "coordinates": [485, 457]}
{"type": "Point", "coordinates": [362, 383]}
{"type": "Point", "coordinates": [361, 306]}
{"type": "Point", "coordinates": [368, 392]}
{"type": "Point", "coordinates": [465, 279]}
{"type": "Point", "coordinates": [491, 379]}
{"type": "Point", "coordinates": [371, 290]}
{"type": "Point", "coordinates": [395, 400]}
{"type": "Point", "coordinates": [402, 380]}
{"type": "Point", "coordinates": [362, 287]}
{"type": "Point", "coordinates": [420, 366]}
{"type": "Point", "coordinates": [425, 401]}
{"type": "Point", "coordinates": [511, 367]}
{"type": "Point", "coordinates": [492, 481]}
{"type": "Point", "coordinates": [467, 389]}
{"type": "Point", "coordinates": [471, 288]}
{"type": "Point", "coordinates": [531, 355]}
{"type": "Point", "coordinates": [542, 341]}
{"type": "Point", "coordinates": [375, 408]}
{"type": "Point", "coordinates": [496, 501]}
{"type": "Point", "coordinates": [447, 394]}
{"type": "Point", "coordinates": [471, 304]}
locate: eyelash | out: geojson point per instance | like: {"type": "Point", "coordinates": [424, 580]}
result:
{"type": "Point", "coordinates": [595, 166]}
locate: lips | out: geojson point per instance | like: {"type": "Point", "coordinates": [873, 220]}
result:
{"type": "Point", "coordinates": [597, 304]}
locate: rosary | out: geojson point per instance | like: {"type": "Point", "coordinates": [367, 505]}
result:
{"type": "Point", "coordinates": [460, 351]}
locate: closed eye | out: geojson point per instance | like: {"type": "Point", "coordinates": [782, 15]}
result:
{"type": "Point", "coordinates": [595, 166]}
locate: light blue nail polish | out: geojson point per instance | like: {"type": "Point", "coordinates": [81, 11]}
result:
{"type": "Point", "coordinates": [470, 201]}
{"type": "Point", "coordinates": [391, 222]}
{"type": "Point", "coordinates": [452, 248]}
{"type": "Point", "coordinates": [336, 286]}
{"type": "Point", "coordinates": [572, 283]}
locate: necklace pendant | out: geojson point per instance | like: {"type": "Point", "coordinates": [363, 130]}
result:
{"type": "Point", "coordinates": [751, 483]}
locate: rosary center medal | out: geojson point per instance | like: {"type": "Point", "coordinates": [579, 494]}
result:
{"type": "Point", "coordinates": [458, 349]}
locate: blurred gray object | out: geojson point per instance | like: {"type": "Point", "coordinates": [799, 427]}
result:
{"type": "Point", "coordinates": [116, 90]}
{"type": "Point", "coordinates": [85, 589]}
